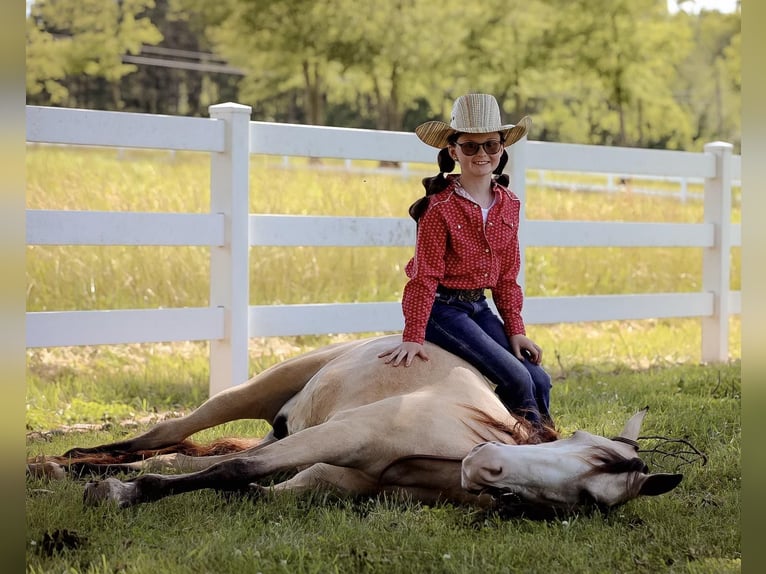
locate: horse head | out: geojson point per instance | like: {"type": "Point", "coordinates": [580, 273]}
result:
{"type": "Point", "coordinates": [581, 470]}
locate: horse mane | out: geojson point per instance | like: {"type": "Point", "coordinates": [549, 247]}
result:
{"type": "Point", "coordinates": [518, 429]}
{"type": "Point", "coordinates": [186, 447]}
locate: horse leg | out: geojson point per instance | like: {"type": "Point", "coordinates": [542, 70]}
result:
{"type": "Point", "coordinates": [414, 477]}
{"type": "Point", "coordinates": [328, 443]}
{"type": "Point", "coordinates": [321, 475]}
{"type": "Point", "coordinates": [355, 482]}
{"type": "Point", "coordinates": [259, 398]}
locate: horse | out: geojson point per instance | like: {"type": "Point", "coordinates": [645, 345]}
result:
{"type": "Point", "coordinates": [343, 419]}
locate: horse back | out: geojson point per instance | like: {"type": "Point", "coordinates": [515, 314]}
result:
{"type": "Point", "coordinates": [358, 378]}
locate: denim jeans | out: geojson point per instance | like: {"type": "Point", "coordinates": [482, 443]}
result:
{"type": "Point", "coordinates": [473, 332]}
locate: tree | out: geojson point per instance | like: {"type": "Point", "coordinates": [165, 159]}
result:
{"type": "Point", "coordinates": [282, 46]}
{"type": "Point", "coordinates": [87, 38]}
{"type": "Point", "coordinates": [45, 63]}
{"type": "Point", "coordinates": [181, 75]}
{"type": "Point", "coordinates": [622, 72]}
{"type": "Point", "coordinates": [395, 55]}
{"type": "Point", "coordinates": [374, 60]}
{"type": "Point", "coordinates": [709, 83]}
{"type": "Point", "coordinates": [619, 59]}
{"type": "Point", "coordinates": [508, 49]}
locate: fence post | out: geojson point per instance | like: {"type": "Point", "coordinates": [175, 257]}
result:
{"type": "Point", "coordinates": [229, 264]}
{"type": "Point", "coordinates": [517, 169]}
{"type": "Point", "coordinates": [716, 259]}
{"type": "Point", "coordinates": [684, 189]}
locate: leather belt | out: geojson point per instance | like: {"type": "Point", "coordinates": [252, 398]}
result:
{"type": "Point", "coordinates": [467, 295]}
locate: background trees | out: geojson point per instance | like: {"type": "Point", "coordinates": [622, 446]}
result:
{"type": "Point", "coordinates": [622, 72]}
{"type": "Point", "coordinates": [74, 46]}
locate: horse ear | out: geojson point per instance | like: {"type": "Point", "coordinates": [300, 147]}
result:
{"type": "Point", "coordinates": [660, 483]}
{"type": "Point", "coordinates": [633, 426]}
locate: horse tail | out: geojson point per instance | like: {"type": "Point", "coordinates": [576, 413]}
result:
{"type": "Point", "coordinates": [186, 447]}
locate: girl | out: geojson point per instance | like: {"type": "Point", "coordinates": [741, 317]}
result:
{"type": "Point", "coordinates": [467, 241]}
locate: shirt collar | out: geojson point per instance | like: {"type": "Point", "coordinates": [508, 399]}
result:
{"type": "Point", "coordinates": [463, 193]}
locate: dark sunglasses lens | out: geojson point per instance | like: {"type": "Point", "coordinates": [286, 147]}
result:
{"type": "Point", "coordinates": [470, 148]}
{"type": "Point", "coordinates": [492, 147]}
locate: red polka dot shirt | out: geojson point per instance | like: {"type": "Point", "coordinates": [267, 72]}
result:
{"type": "Point", "coordinates": [455, 248]}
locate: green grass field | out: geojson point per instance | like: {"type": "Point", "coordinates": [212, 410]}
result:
{"type": "Point", "coordinates": [603, 372]}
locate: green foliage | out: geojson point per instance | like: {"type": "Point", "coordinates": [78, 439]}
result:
{"type": "Point", "coordinates": [616, 68]}
{"type": "Point", "coordinates": [45, 63]}
{"type": "Point", "coordinates": [86, 37]}
{"type": "Point", "coordinates": [593, 72]}
{"type": "Point", "coordinates": [713, 105]}
{"type": "Point", "coordinates": [613, 72]}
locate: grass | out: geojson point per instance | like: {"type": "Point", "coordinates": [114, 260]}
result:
{"type": "Point", "coordinates": [692, 529]}
{"type": "Point", "coordinates": [603, 372]}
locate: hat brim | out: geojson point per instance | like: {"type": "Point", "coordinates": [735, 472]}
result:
{"type": "Point", "coordinates": [437, 133]}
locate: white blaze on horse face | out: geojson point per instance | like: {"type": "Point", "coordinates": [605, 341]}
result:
{"type": "Point", "coordinates": [555, 473]}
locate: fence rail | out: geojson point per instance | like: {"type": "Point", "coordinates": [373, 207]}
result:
{"type": "Point", "coordinates": [229, 231]}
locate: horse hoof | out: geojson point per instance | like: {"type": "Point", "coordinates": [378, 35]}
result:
{"type": "Point", "coordinates": [46, 470]}
{"type": "Point", "coordinates": [257, 492]}
{"type": "Point", "coordinates": [109, 490]}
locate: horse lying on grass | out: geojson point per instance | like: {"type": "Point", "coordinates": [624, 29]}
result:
{"type": "Point", "coordinates": [344, 419]}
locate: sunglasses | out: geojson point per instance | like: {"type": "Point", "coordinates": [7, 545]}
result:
{"type": "Point", "coordinates": [472, 148]}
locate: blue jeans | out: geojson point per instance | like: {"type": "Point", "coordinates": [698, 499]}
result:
{"type": "Point", "coordinates": [474, 333]}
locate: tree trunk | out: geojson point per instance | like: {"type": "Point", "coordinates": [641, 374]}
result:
{"type": "Point", "coordinates": [312, 79]}
{"type": "Point", "coordinates": [117, 96]}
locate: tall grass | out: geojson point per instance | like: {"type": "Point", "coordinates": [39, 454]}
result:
{"type": "Point", "coordinates": [75, 277]}
{"type": "Point", "coordinates": [602, 372]}
{"type": "Point", "coordinates": [136, 277]}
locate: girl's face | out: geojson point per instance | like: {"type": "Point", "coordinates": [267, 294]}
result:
{"type": "Point", "coordinates": [478, 154]}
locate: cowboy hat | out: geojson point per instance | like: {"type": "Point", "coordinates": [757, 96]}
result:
{"type": "Point", "coordinates": [473, 114]}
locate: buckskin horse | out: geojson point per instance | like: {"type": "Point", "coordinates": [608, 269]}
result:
{"type": "Point", "coordinates": [341, 418]}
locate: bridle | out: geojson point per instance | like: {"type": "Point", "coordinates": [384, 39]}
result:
{"type": "Point", "coordinates": [629, 441]}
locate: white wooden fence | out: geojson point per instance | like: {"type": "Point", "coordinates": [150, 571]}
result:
{"type": "Point", "coordinates": [229, 230]}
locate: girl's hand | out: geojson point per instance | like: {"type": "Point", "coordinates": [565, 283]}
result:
{"type": "Point", "coordinates": [405, 351]}
{"type": "Point", "coordinates": [524, 348]}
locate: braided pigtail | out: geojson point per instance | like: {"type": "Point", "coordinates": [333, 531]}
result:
{"type": "Point", "coordinates": [433, 184]}
{"type": "Point", "coordinates": [502, 178]}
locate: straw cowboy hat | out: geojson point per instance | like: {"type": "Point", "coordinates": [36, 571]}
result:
{"type": "Point", "coordinates": [473, 114]}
